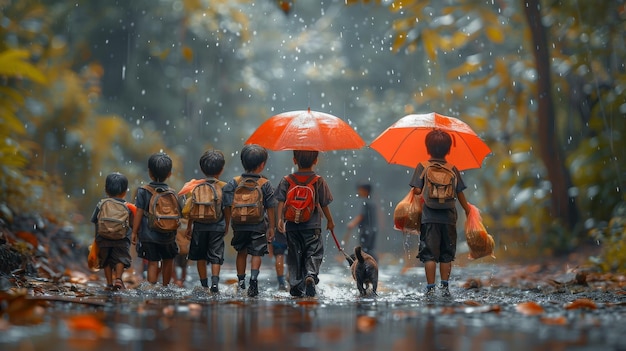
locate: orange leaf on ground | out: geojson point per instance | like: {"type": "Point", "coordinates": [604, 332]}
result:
{"type": "Point", "coordinates": [581, 303]}
{"type": "Point", "coordinates": [529, 308]}
{"type": "Point", "coordinates": [88, 323]}
{"type": "Point", "coordinates": [365, 323]}
{"type": "Point", "coordinates": [554, 320]}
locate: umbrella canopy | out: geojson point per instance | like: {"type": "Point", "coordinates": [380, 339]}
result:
{"type": "Point", "coordinates": [306, 130]}
{"type": "Point", "coordinates": [403, 143]}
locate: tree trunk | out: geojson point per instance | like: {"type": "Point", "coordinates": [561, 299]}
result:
{"type": "Point", "coordinates": [563, 207]}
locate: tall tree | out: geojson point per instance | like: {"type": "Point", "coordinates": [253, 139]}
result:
{"type": "Point", "coordinates": [563, 206]}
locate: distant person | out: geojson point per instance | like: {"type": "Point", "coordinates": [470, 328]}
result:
{"type": "Point", "coordinates": [438, 229]}
{"type": "Point", "coordinates": [365, 221]}
{"type": "Point", "coordinates": [305, 248]}
{"type": "Point", "coordinates": [158, 246]}
{"type": "Point", "coordinates": [113, 218]}
{"type": "Point", "coordinates": [207, 235]}
{"type": "Point", "coordinates": [253, 222]}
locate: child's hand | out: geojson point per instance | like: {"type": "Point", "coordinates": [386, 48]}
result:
{"type": "Point", "coordinates": [330, 225]}
{"type": "Point", "coordinates": [270, 235]}
{"type": "Point", "coordinates": [133, 238]}
{"type": "Point", "coordinates": [281, 226]}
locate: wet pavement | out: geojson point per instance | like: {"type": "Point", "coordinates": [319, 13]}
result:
{"type": "Point", "coordinates": [493, 307]}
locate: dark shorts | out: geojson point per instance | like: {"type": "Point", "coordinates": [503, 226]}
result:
{"type": "Point", "coordinates": [437, 242]}
{"type": "Point", "coordinates": [254, 242]}
{"type": "Point", "coordinates": [207, 245]}
{"type": "Point", "coordinates": [157, 252]}
{"type": "Point", "coordinates": [111, 256]}
{"type": "Point", "coordinates": [279, 245]}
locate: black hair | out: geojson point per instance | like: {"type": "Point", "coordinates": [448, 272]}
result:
{"type": "Point", "coordinates": [438, 143]}
{"type": "Point", "coordinates": [305, 158]}
{"type": "Point", "coordinates": [160, 165]}
{"type": "Point", "coordinates": [212, 162]}
{"type": "Point", "coordinates": [252, 156]}
{"type": "Point", "coordinates": [116, 184]}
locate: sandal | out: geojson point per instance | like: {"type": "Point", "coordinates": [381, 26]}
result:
{"type": "Point", "coordinates": [119, 284]}
{"type": "Point", "coordinates": [108, 288]}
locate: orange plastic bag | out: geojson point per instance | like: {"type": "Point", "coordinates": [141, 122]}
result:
{"type": "Point", "coordinates": [480, 243]}
{"type": "Point", "coordinates": [92, 259]}
{"type": "Point", "coordinates": [407, 216]}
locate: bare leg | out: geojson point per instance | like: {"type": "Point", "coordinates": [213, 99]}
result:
{"type": "Point", "coordinates": [242, 257]}
{"type": "Point", "coordinates": [202, 269]}
{"type": "Point", "coordinates": [166, 268]}
{"type": "Point", "coordinates": [215, 269]}
{"type": "Point", "coordinates": [280, 265]}
{"type": "Point", "coordinates": [430, 267]}
{"type": "Point", "coordinates": [444, 270]}
{"type": "Point", "coordinates": [153, 271]}
{"type": "Point", "coordinates": [256, 262]}
{"type": "Point", "coordinates": [108, 274]}
{"type": "Point", "coordinates": [119, 270]}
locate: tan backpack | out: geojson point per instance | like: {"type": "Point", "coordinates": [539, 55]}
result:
{"type": "Point", "coordinates": [113, 219]}
{"type": "Point", "coordinates": [439, 190]}
{"type": "Point", "coordinates": [247, 207]}
{"type": "Point", "coordinates": [205, 202]}
{"type": "Point", "coordinates": [163, 211]}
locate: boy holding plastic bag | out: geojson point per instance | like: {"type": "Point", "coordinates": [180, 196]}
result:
{"type": "Point", "coordinates": [439, 216]}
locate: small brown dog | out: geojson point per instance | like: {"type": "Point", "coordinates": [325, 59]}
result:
{"type": "Point", "coordinates": [364, 271]}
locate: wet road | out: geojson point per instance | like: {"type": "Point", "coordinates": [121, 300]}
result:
{"type": "Point", "coordinates": [484, 317]}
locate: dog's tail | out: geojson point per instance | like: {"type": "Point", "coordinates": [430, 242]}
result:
{"type": "Point", "coordinates": [359, 255]}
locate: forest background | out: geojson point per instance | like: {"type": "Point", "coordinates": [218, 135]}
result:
{"type": "Point", "coordinates": [91, 87]}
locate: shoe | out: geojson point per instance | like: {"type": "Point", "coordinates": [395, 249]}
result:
{"type": "Point", "coordinates": [309, 287]}
{"type": "Point", "coordinates": [241, 285]}
{"type": "Point", "coordinates": [445, 291]}
{"type": "Point", "coordinates": [429, 293]}
{"type": "Point", "coordinates": [214, 289]}
{"type": "Point", "coordinates": [253, 290]}
{"type": "Point", "coordinates": [283, 287]}
{"type": "Point", "coordinates": [119, 284]}
{"type": "Point", "coordinates": [109, 288]}
{"type": "Point", "coordinates": [295, 292]}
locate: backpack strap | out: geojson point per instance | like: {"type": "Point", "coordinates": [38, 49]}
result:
{"type": "Point", "coordinates": [291, 178]}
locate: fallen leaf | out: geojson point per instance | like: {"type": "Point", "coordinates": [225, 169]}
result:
{"type": "Point", "coordinates": [581, 304]}
{"type": "Point", "coordinates": [88, 323]}
{"type": "Point", "coordinates": [365, 324]}
{"type": "Point", "coordinates": [554, 320]}
{"type": "Point", "coordinates": [529, 308]}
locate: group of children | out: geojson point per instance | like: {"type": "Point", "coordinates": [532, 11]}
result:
{"type": "Point", "coordinates": [302, 240]}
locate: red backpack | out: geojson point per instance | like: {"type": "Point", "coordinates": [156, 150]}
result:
{"type": "Point", "coordinates": [300, 201]}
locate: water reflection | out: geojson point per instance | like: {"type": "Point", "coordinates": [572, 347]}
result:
{"type": "Point", "coordinates": [162, 318]}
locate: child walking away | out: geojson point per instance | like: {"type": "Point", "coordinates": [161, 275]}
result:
{"type": "Point", "coordinates": [440, 184]}
{"type": "Point", "coordinates": [365, 221]}
{"type": "Point", "coordinates": [250, 198]}
{"type": "Point", "coordinates": [305, 248]}
{"type": "Point", "coordinates": [208, 218]}
{"type": "Point", "coordinates": [157, 220]}
{"type": "Point", "coordinates": [113, 217]}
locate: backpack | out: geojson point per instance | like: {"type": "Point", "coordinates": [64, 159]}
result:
{"type": "Point", "coordinates": [300, 200]}
{"type": "Point", "coordinates": [113, 219]}
{"type": "Point", "coordinates": [439, 191]}
{"type": "Point", "coordinates": [247, 207]}
{"type": "Point", "coordinates": [163, 211]}
{"type": "Point", "coordinates": [204, 204]}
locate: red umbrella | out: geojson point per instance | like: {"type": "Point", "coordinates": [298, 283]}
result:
{"type": "Point", "coordinates": [403, 143]}
{"type": "Point", "coordinates": [306, 130]}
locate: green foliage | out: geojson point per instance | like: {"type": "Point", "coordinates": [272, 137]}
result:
{"type": "Point", "coordinates": [612, 236]}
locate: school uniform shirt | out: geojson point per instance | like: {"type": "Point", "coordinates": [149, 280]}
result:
{"type": "Point", "coordinates": [104, 242]}
{"type": "Point", "coordinates": [145, 234]}
{"type": "Point", "coordinates": [322, 193]}
{"type": "Point", "coordinates": [431, 215]}
{"type": "Point", "coordinates": [269, 201]}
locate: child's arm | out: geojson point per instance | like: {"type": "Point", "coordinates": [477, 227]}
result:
{"type": "Point", "coordinates": [281, 220]}
{"type": "Point", "coordinates": [136, 225]}
{"type": "Point", "coordinates": [227, 216]}
{"type": "Point", "coordinates": [329, 218]}
{"type": "Point", "coordinates": [463, 202]}
{"type": "Point", "coordinates": [271, 216]}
